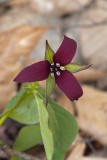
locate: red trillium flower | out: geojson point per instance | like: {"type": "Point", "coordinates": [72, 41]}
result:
{"type": "Point", "coordinates": [58, 66]}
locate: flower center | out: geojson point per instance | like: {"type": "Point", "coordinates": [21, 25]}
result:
{"type": "Point", "coordinates": [56, 69]}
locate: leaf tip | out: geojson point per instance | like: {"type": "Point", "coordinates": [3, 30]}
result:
{"type": "Point", "coordinates": [47, 43]}
{"type": "Point", "coordinates": [88, 66]}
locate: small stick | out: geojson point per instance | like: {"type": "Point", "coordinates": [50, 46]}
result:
{"type": "Point", "coordinates": [6, 151]}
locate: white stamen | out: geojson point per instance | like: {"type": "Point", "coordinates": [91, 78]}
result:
{"type": "Point", "coordinates": [62, 68]}
{"type": "Point", "coordinates": [52, 64]}
{"type": "Point", "coordinates": [52, 74]}
{"type": "Point", "coordinates": [58, 73]}
{"type": "Point", "coordinates": [51, 69]}
{"type": "Point", "coordinates": [57, 64]}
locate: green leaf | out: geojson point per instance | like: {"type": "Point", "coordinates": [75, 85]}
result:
{"type": "Point", "coordinates": [49, 53]}
{"type": "Point", "coordinates": [73, 67]}
{"type": "Point", "coordinates": [2, 142]}
{"type": "Point", "coordinates": [28, 137]}
{"type": "Point", "coordinates": [27, 111]}
{"type": "Point", "coordinates": [3, 118]}
{"type": "Point", "coordinates": [12, 105]}
{"type": "Point", "coordinates": [63, 126]}
{"type": "Point", "coordinates": [15, 158]}
{"type": "Point", "coordinates": [50, 84]}
{"type": "Point", "coordinates": [45, 130]}
{"type": "Point", "coordinates": [64, 129]}
{"type": "Point", "coordinates": [22, 108]}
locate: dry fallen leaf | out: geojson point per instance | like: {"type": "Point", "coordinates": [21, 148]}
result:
{"type": "Point", "coordinates": [77, 149]}
{"type": "Point", "coordinates": [92, 158]}
{"type": "Point", "coordinates": [89, 158]}
{"type": "Point", "coordinates": [92, 53]}
{"type": "Point", "coordinates": [17, 3]}
{"type": "Point", "coordinates": [92, 113]}
{"type": "Point", "coordinates": [16, 46]}
{"type": "Point", "coordinates": [89, 75]}
{"type": "Point", "coordinates": [66, 103]}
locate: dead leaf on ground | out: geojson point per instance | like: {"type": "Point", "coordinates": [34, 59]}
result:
{"type": "Point", "coordinates": [16, 46]}
{"type": "Point", "coordinates": [90, 75]}
{"type": "Point", "coordinates": [92, 113]}
{"type": "Point", "coordinates": [66, 103]}
{"type": "Point", "coordinates": [92, 158]}
{"type": "Point", "coordinates": [77, 149]}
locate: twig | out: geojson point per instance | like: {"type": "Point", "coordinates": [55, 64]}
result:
{"type": "Point", "coordinates": [74, 107]}
{"type": "Point", "coordinates": [94, 24]}
{"type": "Point", "coordinates": [78, 14]}
{"type": "Point", "coordinates": [7, 152]}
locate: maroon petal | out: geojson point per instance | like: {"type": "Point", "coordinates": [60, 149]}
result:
{"type": "Point", "coordinates": [66, 51]}
{"type": "Point", "coordinates": [69, 85]}
{"type": "Point", "coordinates": [35, 72]}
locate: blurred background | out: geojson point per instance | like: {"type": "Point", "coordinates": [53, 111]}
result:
{"type": "Point", "coordinates": [24, 27]}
